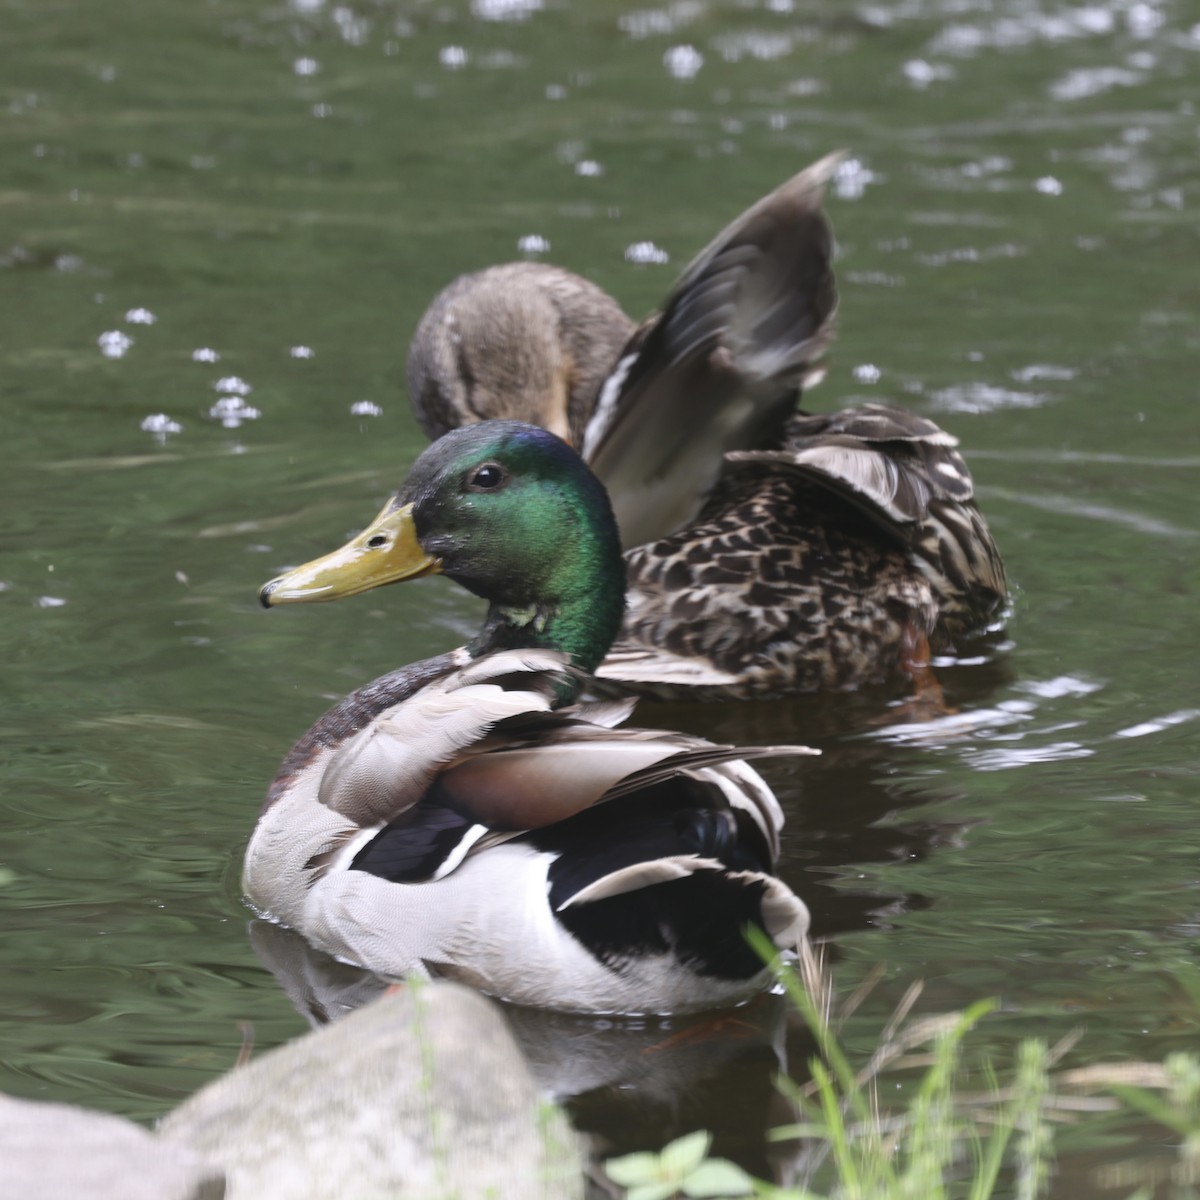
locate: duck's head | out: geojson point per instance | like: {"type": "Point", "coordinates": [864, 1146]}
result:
{"type": "Point", "coordinates": [511, 513]}
{"type": "Point", "coordinates": [523, 340]}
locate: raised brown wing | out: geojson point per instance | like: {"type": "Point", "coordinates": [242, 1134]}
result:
{"type": "Point", "coordinates": [720, 369]}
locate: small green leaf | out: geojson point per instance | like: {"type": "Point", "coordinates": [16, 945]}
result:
{"type": "Point", "coordinates": [682, 1156]}
{"type": "Point", "coordinates": [632, 1169]}
{"type": "Point", "coordinates": [717, 1177]}
{"type": "Point", "coordinates": [792, 1133]}
{"type": "Point", "coordinates": [652, 1191]}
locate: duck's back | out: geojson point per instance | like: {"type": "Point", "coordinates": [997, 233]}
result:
{"type": "Point", "coordinates": [472, 829]}
{"type": "Point", "coordinates": [814, 566]}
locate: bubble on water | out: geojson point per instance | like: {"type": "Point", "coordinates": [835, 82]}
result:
{"type": "Point", "coordinates": [161, 425]}
{"type": "Point", "coordinates": [646, 252]}
{"type": "Point", "coordinates": [754, 44]}
{"type": "Point", "coordinates": [234, 384]}
{"type": "Point", "coordinates": [1037, 371]}
{"type": "Point", "coordinates": [1143, 20]}
{"type": "Point", "coordinates": [114, 343]}
{"type": "Point", "coordinates": [306, 66]}
{"type": "Point", "coordinates": [1048, 186]}
{"type": "Point", "coordinates": [683, 62]}
{"type": "Point", "coordinates": [867, 373]}
{"type": "Point", "coordinates": [232, 411]}
{"type": "Point", "coordinates": [301, 352]}
{"type": "Point", "coordinates": [993, 164]}
{"type": "Point", "coordinates": [555, 91]}
{"type": "Point", "coordinates": [651, 22]}
{"type": "Point", "coordinates": [851, 178]}
{"type": "Point", "coordinates": [353, 28]}
{"type": "Point", "coordinates": [533, 243]}
{"type": "Point", "coordinates": [453, 58]}
{"type": "Point", "coordinates": [50, 602]}
{"type": "Point", "coordinates": [140, 316]}
{"type": "Point", "coordinates": [589, 168]}
{"type": "Point", "coordinates": [505, 10]}
{"type": "Point", "coordinates": [366, 408]}
{"type": "Point", "coordinates": [921, 74]}
{"type": "Point", "coordinates": [205, 354]}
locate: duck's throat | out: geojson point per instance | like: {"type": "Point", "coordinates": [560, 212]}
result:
{"type": "Point", "coordinates": [582, 628]}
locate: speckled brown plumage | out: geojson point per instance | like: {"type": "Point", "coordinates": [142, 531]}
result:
{"type": "Point", "coordinates": [772, 551]}
{"type": "Point", "coordinates": [751, 593]}
{"type": "Point", "coordinates": [812, 567]}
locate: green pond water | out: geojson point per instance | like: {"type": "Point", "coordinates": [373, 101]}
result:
{"type": "Point", "coordinates": [219, 222]}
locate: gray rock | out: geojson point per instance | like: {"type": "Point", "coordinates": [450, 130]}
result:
{"type": "Point", "coordinates": [419, 1095]}
{"type": "Point", "coordinates": [56, 1152]}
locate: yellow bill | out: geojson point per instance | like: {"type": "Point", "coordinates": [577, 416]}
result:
{"type": "Point", "coordinates": [387, 551]}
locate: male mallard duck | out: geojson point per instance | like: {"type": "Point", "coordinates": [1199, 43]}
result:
{"type": "Point", "coordinates": [773, 551]}
{"type": "Point", "coordinates": [464, 816]}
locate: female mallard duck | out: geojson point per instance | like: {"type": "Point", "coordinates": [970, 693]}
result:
{"type": "Point", "coordinates": [464, 816]}
{"type": "Point", "coordinates": [774, 551]}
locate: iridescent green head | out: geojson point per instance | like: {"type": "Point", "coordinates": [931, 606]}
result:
{"type": "Point", "coordinates": [510, 512]}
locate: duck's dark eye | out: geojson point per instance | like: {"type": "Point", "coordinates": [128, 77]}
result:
{"type": "Point", "coordinates": [487, 478]}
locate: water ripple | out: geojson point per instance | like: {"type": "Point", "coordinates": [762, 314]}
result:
{"type": "Point", "coordinates": [1007, 759]}
{"type": "Point", "coordinates": [1157, 726]}
{"type": "Point", "coordinates": [1059, 503]}
{"type": "Point", "coordinates": [1014, 32]}
{"type": "Point", "coordinates": [651, 22]}
{"type": "Point", "coordinates": [983, 398]}
{"type": "Point", "coordinates": [1093, 81]}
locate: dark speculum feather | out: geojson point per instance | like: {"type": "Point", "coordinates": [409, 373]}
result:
{"type": "Point", "coordinates": [411, 849]}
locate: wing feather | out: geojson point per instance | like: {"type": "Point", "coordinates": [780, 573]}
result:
{"type": "Point", "coordinates": [720, 369]}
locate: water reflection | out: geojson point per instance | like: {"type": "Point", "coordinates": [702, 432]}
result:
{"type": "Point", "coordinates": [628, 1083]}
